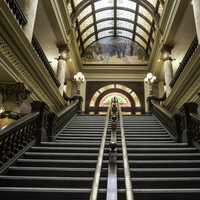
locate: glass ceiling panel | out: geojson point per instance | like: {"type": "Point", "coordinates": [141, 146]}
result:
{"type": "Point", "coordinates": [127, 4]}
{"type": "Point", "coordinates": [153, 2]}
{"type": "Point", "coordinates": [103, 4]}
{"type": "Point", "coordinates": [124, 34]}
{"type": "Point", "coordinates": [86, 23]}
{"type": "Point", "coordinates": [88, 32]}
{"type": "Point", "coordinates": [126, 14]}
{"type": "Point", "coordinates": [127, 10]}
{"type": "Point", "coordinates": [144, 23]}
{"type": "Point", "coordinates": [142, 33]}
{"type": "Point", "coordinates": [125, 24]}
{"type": "Point", "coordinates": [140, 41]}
{"type": "Point", "coordinates": [76, 2]}
{"type": "Point", "coordinates": [86, 11]}
{"type": "Point", "coordinates": [104, 24]}
{"type": "Point", "coordinates": [105, 34]}
{"type": "Point", "coordinates": [145, 12]}
{"type": "Point", "coordinates": [104, 14]}
{"type": "Point", "coordinates": [89, 41]}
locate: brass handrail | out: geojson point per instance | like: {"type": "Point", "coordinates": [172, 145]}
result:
{"type": "Point", "coordinates": [96, 180]}
{"type": "Point", "coordinates": [128, 183]}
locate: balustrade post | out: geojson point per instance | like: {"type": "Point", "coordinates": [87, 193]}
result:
{"type": "Point", "coordinates": [177, 119]}
{"type": "Point", "coordinates": [189, 108]}
{"type": "Point", "coordinates": [149, 105]}
{"type": "Point", "coordinates": [51, 126]}
{"type": "Point", "coordinates": [41, 130]}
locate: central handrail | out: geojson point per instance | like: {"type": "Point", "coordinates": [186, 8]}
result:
{"type": "Point", "coordinates": [128, 183]}
{"type": "Point", "coordinates": [96, 180]}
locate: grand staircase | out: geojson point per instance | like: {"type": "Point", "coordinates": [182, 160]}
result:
{"type": "Point", "coordinates": [160, 168]}
{"type": "Point", "coordinates": [63, 169]}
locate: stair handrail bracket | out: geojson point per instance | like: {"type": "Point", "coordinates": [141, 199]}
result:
{"type": "Point", "coordinates": [96, 180]}
{"type": "Point", "coordinates": [128, 183]}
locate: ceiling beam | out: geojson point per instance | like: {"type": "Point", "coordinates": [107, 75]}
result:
{"type": "Point", "coordinates": [118, 18]}
{"type": "Point", "coordinates": [83, 4]}
{"type": "Point", "coordinates": [136, 19]}
{"type": "Point", "coordinates": [111, 28]}
{"type": "Point", "coordinates": [111, 8]}
{"type": "Point", "coordinates": [115, 17]}
{"type": "Point", "coordinates": [94, 19]}
{"type": "Point", "coordinates": [78, 28]}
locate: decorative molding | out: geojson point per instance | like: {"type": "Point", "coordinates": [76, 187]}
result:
{"type": "Point", "coordinates": [63, 22]}
{"type": "Point", "coordinates": [187, 85]}
{"type": "Point", "coordinates": [22, 62]}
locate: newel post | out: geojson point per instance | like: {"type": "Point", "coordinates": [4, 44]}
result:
{"type": "Point", "coordinates": [149, 105]}
{"type": "Point", "coordinates": [41, 107]}
{"type": "Point", "coordinates": [177, 119]}
{"type": "Point", "coordinates": [189, 108]}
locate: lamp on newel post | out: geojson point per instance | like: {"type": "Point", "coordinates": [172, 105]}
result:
{"type": "Point", "coordinates": [79, 78]}
{"type": "Point", "coordinates": [149, 80]}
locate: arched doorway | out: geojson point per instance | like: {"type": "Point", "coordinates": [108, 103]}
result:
{"type": "Point", "coordinates": [128, 99]}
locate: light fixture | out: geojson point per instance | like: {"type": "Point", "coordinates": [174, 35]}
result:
{"type": "Point", "coordinates": [79, 77]}
{"type": "Point", "coordinates": [150, 78]}
{"type": "Point", "coordinates": [2, 109]}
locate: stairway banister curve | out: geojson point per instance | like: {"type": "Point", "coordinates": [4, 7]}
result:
{"type": "Point", "coordinates": [128, 183]}
{"type": "Point", "coordinates": [96, 180]}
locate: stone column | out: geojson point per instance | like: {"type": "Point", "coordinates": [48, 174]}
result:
{"type": "Point", "coordinates": [167, 65]}
{"type": "Point", "coordinates": [62, 67]}
{"type": "Point", "coordinates": [30, 11]}
{"type": "Point", "coordinates": [69, 88]}
{"type": "Point", "coordinates": [196, 11]}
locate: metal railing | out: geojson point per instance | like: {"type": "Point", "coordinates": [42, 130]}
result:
{"type": "Point", "coordinates": [185, 60]}
{"type": "Point", "coordinates": [41, 54]}
{"type": "Point", "coordinates": [112, 191]}
{"type": "Point", "coordinates": [17, 12]}
{"type": "Point", "coordinates": [96, 180]}
{"type": "Point", "coordinates": [128, 183]}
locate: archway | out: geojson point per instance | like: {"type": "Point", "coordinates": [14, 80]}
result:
{"type": "Point", "coordinates": [129, 100]}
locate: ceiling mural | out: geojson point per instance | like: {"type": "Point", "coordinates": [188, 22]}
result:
{"type": "Point", "coordinates": [114, 50]}
{"type": "Point", "coordinates": [133, 19]}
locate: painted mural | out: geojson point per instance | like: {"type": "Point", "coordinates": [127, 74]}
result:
{"type": "Point", "coordinates": [114, 50]}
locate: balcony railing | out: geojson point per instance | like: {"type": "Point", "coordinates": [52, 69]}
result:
{"type": "Point", "coordinates": [185, 60]}
{"type": "Point", "coordinates": [16, 10]}
{"type": "Point", "coordinates": [44, 59]}
{"type": "Point", "coordinates": [18, 13]}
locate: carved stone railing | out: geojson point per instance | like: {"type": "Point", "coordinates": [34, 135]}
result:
{"type": "Point", "coordinates": [163, 115]}
{"type": "Point", "coordinates": [40, 125]}
{"type": "Point", "coordinates": [16, 136]}
{"type": "Point", "coordinates": [44, 59]}
{"type": "Point", "coordinates": [185, 60]}
{"type": "Point", "coordinates": [183, 125]}
{"type": "Point", "coordinates": [195, 127]}
{"type": "Point", "coordinates": [16, 10]}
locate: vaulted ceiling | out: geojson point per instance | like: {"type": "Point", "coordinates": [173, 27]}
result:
{"type": "Point", "coordinates": [132, 19]}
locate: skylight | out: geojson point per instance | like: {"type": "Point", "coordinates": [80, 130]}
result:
{"type": "Point", "coordinates": [133, 19]}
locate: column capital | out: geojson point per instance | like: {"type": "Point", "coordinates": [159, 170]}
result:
{"type": "Point", "coordinates": [63, 50]}
{"type": "Point", "coordinates": [166, 52]}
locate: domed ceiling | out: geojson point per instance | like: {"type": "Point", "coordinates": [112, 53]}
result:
{"type": "Point", "coordinates": [131, 20]}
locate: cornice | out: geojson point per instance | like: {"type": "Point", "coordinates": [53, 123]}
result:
{"type": "Point", "coordinates": [21, 61]}
{"type": "Point", "coordinates": [187, 86]}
